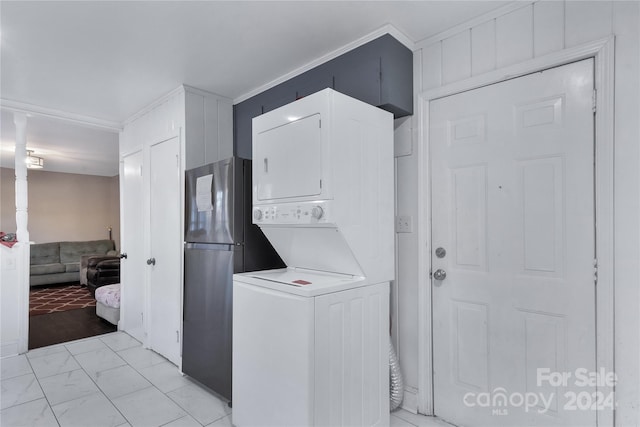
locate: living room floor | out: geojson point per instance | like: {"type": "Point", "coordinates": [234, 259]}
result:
{"type": "Point", "coordinates": [110, 380]}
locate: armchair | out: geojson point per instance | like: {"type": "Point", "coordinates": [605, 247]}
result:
{"type": "Point", "coordinates": [84, 263]}
{"type": "Point", "coordinates": [102, 270]}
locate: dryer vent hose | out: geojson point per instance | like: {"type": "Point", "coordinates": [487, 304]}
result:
{"type": "Point", "coordinates": [396, 384]}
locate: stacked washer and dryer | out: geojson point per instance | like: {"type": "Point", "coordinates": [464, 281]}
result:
{"type": "Point", "coordinates": [311, 341]}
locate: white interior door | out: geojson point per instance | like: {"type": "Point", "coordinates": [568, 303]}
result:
{"type": "Point", "coordinates": [132, 273]}
{"type": "Point", "coordinates": [165, 261]}
{"type": "Point", "coordinates": [513, 208]}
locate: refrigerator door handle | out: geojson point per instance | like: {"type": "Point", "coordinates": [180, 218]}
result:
{"type": "Point", "coordinates": [211, 246]}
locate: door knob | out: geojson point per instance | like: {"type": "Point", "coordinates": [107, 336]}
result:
{"type": "Point", "coordinates": [151, 261]}
{"type": "Point", "coordinates": [439, 274]}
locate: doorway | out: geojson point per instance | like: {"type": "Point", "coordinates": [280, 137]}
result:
{"type": "Point", "coordinates": [513, 249]}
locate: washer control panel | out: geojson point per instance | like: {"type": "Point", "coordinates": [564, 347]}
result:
{"type": "Point", "coordinates": [293, 213]}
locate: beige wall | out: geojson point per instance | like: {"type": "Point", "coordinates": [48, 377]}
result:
{"type": "Point", "coordinates": [64, 206]}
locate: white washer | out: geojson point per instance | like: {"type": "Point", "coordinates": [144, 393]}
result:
{"type": "Point", "coordinates": [310, 342]}
{"type": "Point", "coordinates": [310, 349]}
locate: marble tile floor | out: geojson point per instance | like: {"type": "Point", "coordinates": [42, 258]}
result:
{"type": "Point", "coordinates": [111, 380]}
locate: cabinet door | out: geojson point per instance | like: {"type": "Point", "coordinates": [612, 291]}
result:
{"type": "Point", "coordinates": [275, 175]}
{"type": "Point", "coordinates": [359, 77]}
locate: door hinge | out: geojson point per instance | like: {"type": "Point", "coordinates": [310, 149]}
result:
{"type": "Point", "coordinates": [595, 271]}
{"type": "Point", "coordinates": [177, 336]}
{"type": "Point", "coordinates": [320, 123]}
{"type": "Point", "coordinates": [594, 101]}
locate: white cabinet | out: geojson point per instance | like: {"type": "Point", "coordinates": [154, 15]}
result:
{"type": "Point", "coordinates": [191, 128]}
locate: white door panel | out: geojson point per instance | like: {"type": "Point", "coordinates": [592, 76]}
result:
{"type": "Point", "coordinates": [132, 275]}
{"type": "Point", "coordinates": [513, 206]}
{"type": "Point", "coordinates": [277, 177]}
{"type": "Point", "coordinates": [165, 282]}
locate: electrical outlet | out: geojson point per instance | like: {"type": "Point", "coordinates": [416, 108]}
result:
{"type": "Point", "coordinates": [404, 224]}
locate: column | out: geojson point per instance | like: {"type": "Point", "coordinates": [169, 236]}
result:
{"type": "Point", "coordinates": [22, 248]}
{"type": "Point", "coordinates": [20, 121]}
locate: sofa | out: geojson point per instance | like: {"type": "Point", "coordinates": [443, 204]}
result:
{"type": "Point", "coordinates": [59, 262]}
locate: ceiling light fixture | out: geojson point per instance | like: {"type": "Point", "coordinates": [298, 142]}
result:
{"type": "Point", "coordinates": [34, 162]}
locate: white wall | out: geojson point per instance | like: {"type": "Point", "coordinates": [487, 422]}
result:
{"type": "Point", "coordinates": [10, 264]}
{"type": "Point", "coordinates": [515, 34]}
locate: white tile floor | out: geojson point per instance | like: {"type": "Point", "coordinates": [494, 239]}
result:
{"type": "Point", "coordinates": [110, 380]}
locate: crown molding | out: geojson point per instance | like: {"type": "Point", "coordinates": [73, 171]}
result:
{"type": "Point", "coordinates": [386, 29]}
{"type": "Point", "coordinates": [158, 101]}
{"type": "Point", "coordinates": [78, 119]}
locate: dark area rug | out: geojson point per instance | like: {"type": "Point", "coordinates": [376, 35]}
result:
{"type": "Point", "coordinates": [63, 326]}
{"type": "Point", "coordinates": [53, 299]}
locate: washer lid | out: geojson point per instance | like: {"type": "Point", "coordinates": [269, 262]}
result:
{"type": "Point", "coordinates": [301, 281]}
{"type": "Point", "coordinates": [322, 249]}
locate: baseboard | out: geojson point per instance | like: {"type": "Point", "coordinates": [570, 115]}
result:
{"type": "Point", "coordinates": [410, 400]}
{"type": "Point", "coordinates": [9, 349]}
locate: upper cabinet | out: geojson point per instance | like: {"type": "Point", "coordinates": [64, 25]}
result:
{"type": "Point", "coordinates": [202, 119]}
{"type": "Point", "coordinates": [379, 73]}
{"type": "Point", "coordinates": [360, 76]}
{"type": "Point", "coordinates": [208, 128]}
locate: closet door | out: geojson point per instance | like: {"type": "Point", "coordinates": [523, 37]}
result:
{"type": "Point", "coordinates": [165, 257]}
{"type": "Point", "coordinates": [132, 273]}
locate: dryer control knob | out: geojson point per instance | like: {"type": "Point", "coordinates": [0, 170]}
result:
{"type": "Point", "coordinates": [257, 214]}
{"type": "Point", "coordinates": [317, 212]}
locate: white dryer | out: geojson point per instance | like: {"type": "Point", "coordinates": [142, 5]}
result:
{"type": "Point", "coordinates": [310, 342]}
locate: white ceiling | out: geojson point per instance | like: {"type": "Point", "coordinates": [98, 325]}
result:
{"type": "Point", "coordinates": [107, 60]}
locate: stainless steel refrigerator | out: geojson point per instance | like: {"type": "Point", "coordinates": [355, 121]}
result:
{"type": "Point", "coordinates": [220, 240]}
